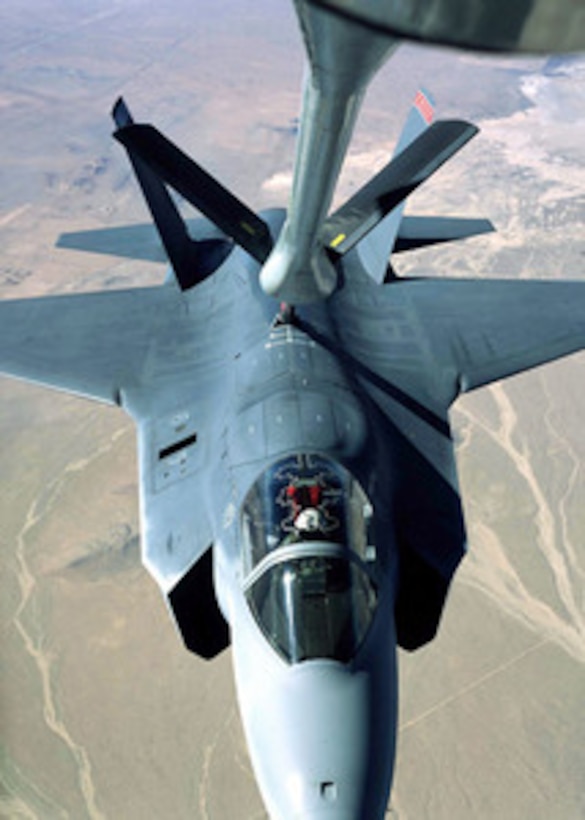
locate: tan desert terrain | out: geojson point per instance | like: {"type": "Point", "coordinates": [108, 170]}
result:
{"type": "Point", "coordinates": [103, 713]}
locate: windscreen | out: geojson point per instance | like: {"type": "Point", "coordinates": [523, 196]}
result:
{"type": "Point", "coordinates": [313, 607]}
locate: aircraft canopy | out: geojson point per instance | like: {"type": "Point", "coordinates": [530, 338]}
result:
{"type": "Point", "coordinates": [307, 546]}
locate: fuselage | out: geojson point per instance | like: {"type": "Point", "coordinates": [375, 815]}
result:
{"type": "Point", "coordinates": [305, 572]}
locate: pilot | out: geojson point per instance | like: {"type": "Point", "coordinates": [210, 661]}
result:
{"type": "Point", "coordinates": [308, 523]}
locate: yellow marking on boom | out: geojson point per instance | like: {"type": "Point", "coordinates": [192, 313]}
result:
{"type": "Point", "coordinates": [337, 241]}
{"type": "Point", "coordinates": [248, 228]}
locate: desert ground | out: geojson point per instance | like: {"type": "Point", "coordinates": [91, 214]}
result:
{"type": "Point", "coordinates": [103, 712]}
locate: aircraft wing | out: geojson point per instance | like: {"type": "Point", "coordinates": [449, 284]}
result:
{"type": "Point", "coordinates": [93, 344]}
{"type": "Point", "coordinates": [107, 346]}
{"type": "Point", "coordinates": [489, 330]}
{"type": "Point", "coordinates": [465, 333]}
{"type": "Point", "coordinates": [153, 351]}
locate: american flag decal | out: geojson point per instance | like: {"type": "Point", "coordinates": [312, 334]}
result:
{"type": "Point", "coordinates": [424, 107]}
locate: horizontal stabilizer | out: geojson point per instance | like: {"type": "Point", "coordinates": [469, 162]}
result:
{"type": "Point", "coordinates": [139, 241]}
{"type": "Point", "coordinates": [403, 174]}
{"type": "Point", "coordinates": [420, 231]}
{"type": "Point", "coordinates": [198, 187]}
{"type": "Point", "coordinates": [129, 241]}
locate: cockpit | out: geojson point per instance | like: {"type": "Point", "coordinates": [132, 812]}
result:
{"type": "Point", "coordinates": [309, 558]}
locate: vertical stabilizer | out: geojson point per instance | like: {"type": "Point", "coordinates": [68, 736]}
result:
{"type": "Point", "coordinates": [376, 248]}
{"type": "Point", "coordinates": [191, 261]}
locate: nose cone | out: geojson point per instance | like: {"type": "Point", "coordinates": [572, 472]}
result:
{"type": "Point", "coordinates": [321, 737]}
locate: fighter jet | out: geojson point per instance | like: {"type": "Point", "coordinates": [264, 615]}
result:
{"type": "Point", "coordinates": [298, 488]}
